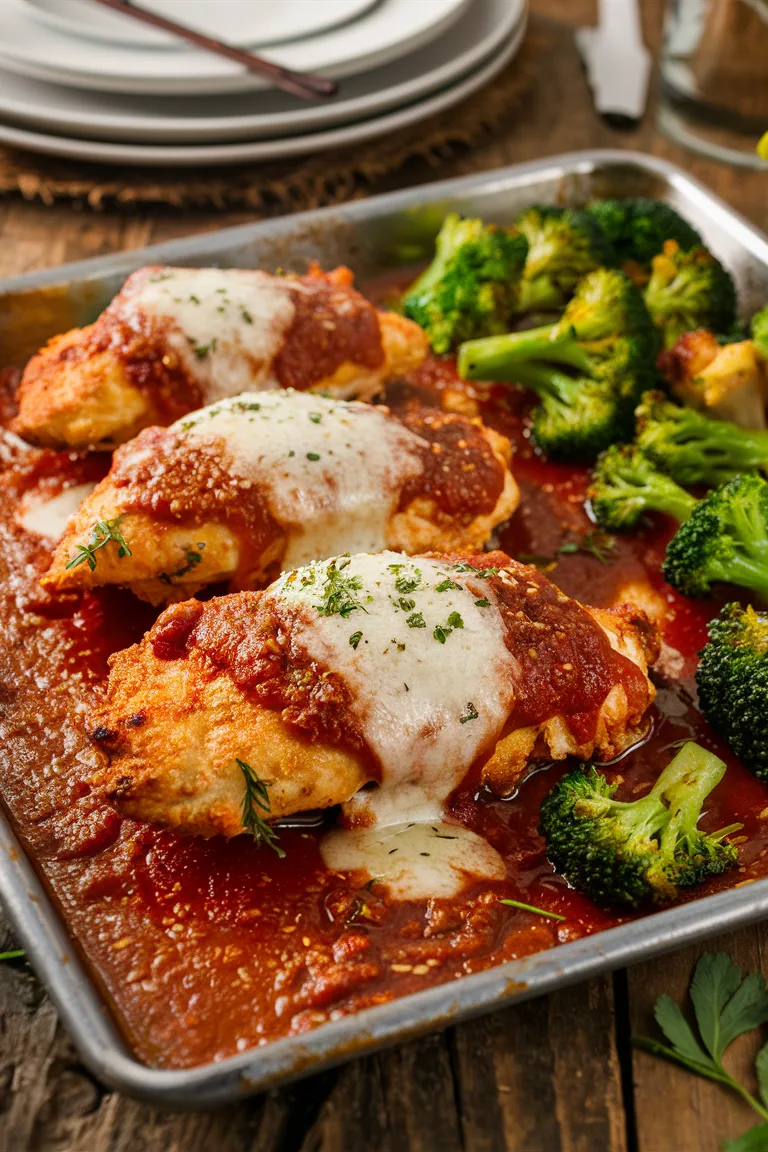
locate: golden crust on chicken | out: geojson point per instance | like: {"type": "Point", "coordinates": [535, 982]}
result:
{"type": "Point", "coordinates": [726, 381]}
{"type": "Point", "coordinates": [247, 487]}
{"type": "Point", "coordinates": [386, 671]}
{"type": "Point", "coordinates": [175, 339]}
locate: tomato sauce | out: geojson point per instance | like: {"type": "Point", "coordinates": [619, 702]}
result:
{"type": "Point", "coordinates": [208, 948]}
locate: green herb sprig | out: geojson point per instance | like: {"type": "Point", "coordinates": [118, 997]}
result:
{"type": "Point", "coordinates": [532, 908]}
{"type": "Point", "coordinates": [257, 797]}
{"type": "Point", "coordinates": [102, 532]}
{"type": "Point", "coordinates": [726, 1004]}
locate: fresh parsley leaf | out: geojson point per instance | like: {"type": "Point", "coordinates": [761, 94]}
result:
{"type": "Point", "coordinates": [313, 455]}
{"type": "Point", "coordinates": [257, 797]}
{"type": "Point", "coordinates": [471, 713]}
{"type": "Point", "coordinates": [441, 634]}
{"type": "Point", "coordinates": [678, 1031]}
{"type": "Point", "coordinates": [761, 1068]}
{"type": "Point", "coordinates": [416, 621]}
{"type": "Point", "coordinates": [455, 620]}
{"type": "Point", "coordinates": [755, 1140]}
{"type": "Point", "coordinates": [482, 603]}
{"type": "Point", "coordinates": [596, 544]}
{"type": "Point", "coordinates": [725, 1006]}
{"type": "Point", "coordinates": [355, 639]}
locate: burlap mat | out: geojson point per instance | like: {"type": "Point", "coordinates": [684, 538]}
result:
{"type": "Point", "coordinates": [265, 188]}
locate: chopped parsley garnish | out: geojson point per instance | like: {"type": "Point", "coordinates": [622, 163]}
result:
{"type": "Point", "coordinates": [406, 605]}
{"type": "Point", "coordinates": [596, 544]}
{"type": "Point", "coordinates": [102, 532]}
{"type": "Point", "coordinates": [257, 797]}
{"type": "Point", "coordinates": [446, 585]}
{"type": "Point", "coordinates": [315, 417]}
{"type": "Point", "coordinates": [246, 316]}
{"type": "Point", "coordinates": [406, 583]}
{"type": "Point", "coordinates": [482, 603]}
{"type": "Point", "coordinates": [416, 621]}
{"type": "Point", "coordinates": [470, 714]}
{"type": "Point", "coordinates": [202, 350]}
{"type": "Point", "coordinates": [443, 631]}
{"type": "Point", "coordinates": [194, 299]}
{"type": "Point", "coordinates": [313, 456]}
{"type": "Point", "coordinates": [192, 558]}
{"type": "Point", "coordinates": [355, 639]}
{"type": "Point", "coordinates": [338, 591]}
{"type": "Point", "coordinates": [483, 573]}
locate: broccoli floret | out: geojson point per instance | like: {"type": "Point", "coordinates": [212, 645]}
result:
{"type": "Point", "coordinates": [689, 289]}
{"type": "Point", "coordinates": [564, 244]}
{"type": "Point", "coordinates": [637, 228]}
{"type": "Point", "coordinates": [759, 329]}
{"type": "Point", "coordinates": [470, 289]}
{"type": "Point", "coordinates": [589, 368]}
{"type": "Point", "coordinates": [626, 486]}
{"type": "Point", "coordinates": [693, 449]}
{"type": "Point", "coordinates": [732, 679]}
{"type": "Point", "coordinates": [629, 853]}
{"type": "Point", "coordinates": [725, 540]}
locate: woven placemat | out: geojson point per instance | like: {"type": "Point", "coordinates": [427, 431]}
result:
{"type": "Point", "coordinates": [266, 188]}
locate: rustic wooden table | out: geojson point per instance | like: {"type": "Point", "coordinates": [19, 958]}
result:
{"type": "Point", "coordinates": [554, 1075]}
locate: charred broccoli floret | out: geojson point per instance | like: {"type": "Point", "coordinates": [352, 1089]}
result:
{"type": "Point", "coordinates": [724, 541]}
{"type": "Point", "coordinates": [732, 679]}
{"type": "Point", "coordinates": [564, 244]}
{"type": "Point", "coordinates": [759, 329]}
{"type": "Point", "coordinates": [629, 853]}
{"type": "Point", "coordinates": [589, 368]}
{"type": "Point", "coordinates": [693, 449]}
{"type": "Point", "coordinates": [626, 486]}
{"type": "Point", "coordinates": [689, 289]}
{"type": "Point", "coordinates": [637, 228]}
{"type": "Point", "coordinates": [470, 289]}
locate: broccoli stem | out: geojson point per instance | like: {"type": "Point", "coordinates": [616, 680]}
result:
{"type": "Point", "coordinates": [497, 357]}
{"type": "Point", "coordinates": [684, 785]}
{"type": "Point", "coordinates": [538, 294]}
{"type": "Point", "coordinates": [546, 381]}
{"type": "Point", "coordinates": [663, 495]}
{"type": "Point", "coordinates": [742, 571]}
{"type": "Point", "coordinates": [673, 806]}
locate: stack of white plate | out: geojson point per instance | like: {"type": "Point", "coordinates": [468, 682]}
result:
{"type": "Point", "coordinates": [79, 81]}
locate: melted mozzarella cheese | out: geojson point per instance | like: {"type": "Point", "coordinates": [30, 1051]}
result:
{"type": "Point", "coordinates": [227, 325]}
{"type": "Point", "coordinates": [420, 647]}
{"type": "Point", "coordinates": [415, 861]}
{"type": "Point", "coordinates": [331, 471]}
{"type": "Point", "coordinates": [47, 516]}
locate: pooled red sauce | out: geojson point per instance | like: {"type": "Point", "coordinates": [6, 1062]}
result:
{"type": "Point", "coordinates": [206, 948]}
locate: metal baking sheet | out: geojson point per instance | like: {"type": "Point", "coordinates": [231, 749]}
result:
{"type": "Point", "coordinates": [372, 236]}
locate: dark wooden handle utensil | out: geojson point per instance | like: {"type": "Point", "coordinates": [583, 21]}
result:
{"type": "Point", "coordinates": [302, 84]}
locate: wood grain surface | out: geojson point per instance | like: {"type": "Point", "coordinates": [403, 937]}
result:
{"type": "Point", "coordinates": [554, 1075]}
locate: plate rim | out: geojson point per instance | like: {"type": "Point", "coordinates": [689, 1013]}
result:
{"type": "Point", "coordinates": [262, 126]}
{"type": "Point", "coordinates": [214, 74]}
{"type": "Point", "coordinates": [62, 25]}
{"type": "Point", "coordinates": [189, 156]}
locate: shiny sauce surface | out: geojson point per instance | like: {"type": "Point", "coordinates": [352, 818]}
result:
{"type": "Point", "coordinates": [207, 948]}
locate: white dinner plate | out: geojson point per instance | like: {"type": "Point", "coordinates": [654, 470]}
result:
{"type": "Point", "coordinates": [246, 23]}
{"type": "Point", "coordinates": [211, 155]}
{"type": "Point", "coordinates": [388, 31]}
{"type": "Point", "coordinates": [479, 32]}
